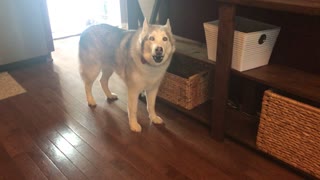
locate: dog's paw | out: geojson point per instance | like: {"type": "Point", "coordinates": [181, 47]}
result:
{"type": "Point", "coordinates": [157, 120]}
{"type": "Point", "coordinates": [92, 105]}
{"type": "Point", "coordinates": [112, 97]}
{"type": "Point", "coordinates": [135, 127]}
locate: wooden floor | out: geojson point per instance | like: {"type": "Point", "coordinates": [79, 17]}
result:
{"type": "Point", "coordinates": [50, 133]}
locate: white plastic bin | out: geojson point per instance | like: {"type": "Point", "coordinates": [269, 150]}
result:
{"type": "Point", "coordinates": [252, 46]}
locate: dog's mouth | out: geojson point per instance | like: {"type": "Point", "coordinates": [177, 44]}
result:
{"type": "Point", "coordinates": [158, 58]}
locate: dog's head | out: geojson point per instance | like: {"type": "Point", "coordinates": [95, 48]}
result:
{"type": "Point", "coordinates": [157, 43]}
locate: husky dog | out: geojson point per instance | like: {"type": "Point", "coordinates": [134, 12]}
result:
{"type": "Point", "coordinates": [139, 57]}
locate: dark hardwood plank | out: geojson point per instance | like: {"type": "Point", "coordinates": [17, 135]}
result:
{"type": "Point", "coordinates": [18, 145]}
{"type": "Point", "coordinates": [19, 142]}
{"type": "Point", "coordinates": [201, 112]}
{"type": "Point", "coordinates": [38, 132]}
{"type": "Point", "coordinates": [28, 167]}
{"type": "Point", "coordinates": [98, 160]}
{"type": "Point", "coordinates": [91, 125]}
{"type": "Point", "coordinates": [60, 160]}
{"type": "Point", "coordinates": [48, 168]}
{"type": "Point", "coordinates": [67, 149]}
{"type": "Point", "coordinates": [8, 168]}
{"type": "Point", "coordinates": [75, 157]}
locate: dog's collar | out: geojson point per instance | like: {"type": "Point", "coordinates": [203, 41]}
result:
{"type": "Point", "coordinates": [143, 60]}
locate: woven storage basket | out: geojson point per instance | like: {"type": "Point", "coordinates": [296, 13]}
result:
{"type": "Point", "coordinates": [252, 46]}
{"type": "Point", "coordinates": [186, 82]}
{"type": "Point", "coordinates": [290, 131]}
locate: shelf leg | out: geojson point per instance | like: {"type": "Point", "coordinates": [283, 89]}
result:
{"type": "Point", "coordinates": [222, 70]}
{"type": "Point", "coordinates": [155, 11]}
{"type": "Point", "coordinates": [135, 14]}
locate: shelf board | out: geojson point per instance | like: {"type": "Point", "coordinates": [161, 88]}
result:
{"type": "Point", "coordinates": [193, 49]}
{"type": "Point", "coordinates": [309, 7]}
{"type": "Point", "coordinates": [290, 80]}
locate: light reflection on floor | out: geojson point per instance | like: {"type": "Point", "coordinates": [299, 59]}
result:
{"type": "Point", "coordinates": [70, 17]}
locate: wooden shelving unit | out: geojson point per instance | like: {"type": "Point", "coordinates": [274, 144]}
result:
{"type": "Point", "coordinates": [216, 113]}
{"type": "Point", "coordinates": [295, 82]}
{"type": "Point", "coordinates": [234, 122]}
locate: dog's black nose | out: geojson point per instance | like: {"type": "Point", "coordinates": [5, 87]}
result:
{"type": "Point", "coordinates": [159, 51]}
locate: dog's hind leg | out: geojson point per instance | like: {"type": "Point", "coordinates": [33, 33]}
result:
{"type": "Point", "coordinates": [104, 81]}
{"type": "Point", "coordinates": [89, 75]}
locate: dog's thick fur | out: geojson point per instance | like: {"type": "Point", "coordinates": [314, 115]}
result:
{"type": "Point", "coordinates": [140, 58]}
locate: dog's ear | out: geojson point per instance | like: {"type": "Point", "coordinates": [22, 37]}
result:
{"type": "Point", "coordinates": [145, 26]}
{"type": "Point", "coordinates": [167, 25]}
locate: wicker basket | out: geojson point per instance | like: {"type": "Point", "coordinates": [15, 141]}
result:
{"type": "Point", "coordinates": [252, 46]}
{"type": "Point", "coordinates": [186, 82]}
{"type": "Point", "coordinates": [290, 131]}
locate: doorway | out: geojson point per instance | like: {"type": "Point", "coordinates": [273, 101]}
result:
{"type": "Point", "coordinates": [71, 17]}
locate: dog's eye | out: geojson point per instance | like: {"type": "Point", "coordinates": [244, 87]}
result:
{"type": "Point", "coordinates": [151, 38]}
{"type": "Point", "coordinates": [165, 39]}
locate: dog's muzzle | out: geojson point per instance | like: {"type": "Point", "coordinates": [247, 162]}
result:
{"type": "Point", "coordinates": [158, 57]}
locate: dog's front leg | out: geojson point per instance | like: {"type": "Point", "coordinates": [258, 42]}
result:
{"type": "Point", "coordinates": [132, 110]}
{"type": "Point", "coordinates": [151, 101]}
